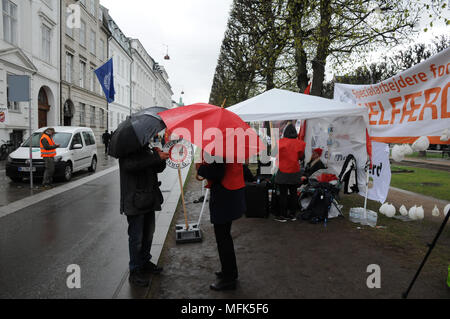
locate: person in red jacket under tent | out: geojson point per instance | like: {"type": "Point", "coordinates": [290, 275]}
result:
{"type": "Point", "coordinates": [291, 151]}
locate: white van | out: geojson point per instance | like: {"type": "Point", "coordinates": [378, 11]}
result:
{"type": "Point", "coordinates": [77, 151]}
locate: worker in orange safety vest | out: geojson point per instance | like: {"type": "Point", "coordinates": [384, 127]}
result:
{"type": "Point", "coordinates": [48, 153]}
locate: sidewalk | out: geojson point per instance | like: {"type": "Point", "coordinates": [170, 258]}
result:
{"type": "Point", "coordinates": [431, 161]}
{"type": "Point", "coordinates": [400, 197]}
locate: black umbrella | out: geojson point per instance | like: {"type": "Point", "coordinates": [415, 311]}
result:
{"type": "Point", "coordinates": [136, 131]}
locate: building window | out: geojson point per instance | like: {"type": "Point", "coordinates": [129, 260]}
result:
{"type": "Point", "coordinates": [93, 40]}
{"type": "Point", "coordinates": [9, 22]}
{"type": "Point", "coordinates": [83, 33]}
{"type": "Point", "coordinates": [82, 114]}
{"type": "Point", "coordinates": [111, 119]}
{"type": "Point", "coordinates": [92, 80]}
{"type": "Point", "coordinates": [93, 8]}
{"type": "Point", "coordinates": [102, 118]}
{"type": "Point", "coordinates": [82, 73]}
{"type": "Point", "coordinates": [12, 106]}
{"type": "Point", "coordinates": [46, 43]}
{"type": "Point", "coordinates": [69, 67]}
{"type": "Point", "coordinates": [93, 116]}
{"type": "Point", "coordinates": [102, 50]}
{"type": "Point", "coordinates": [69, 30]}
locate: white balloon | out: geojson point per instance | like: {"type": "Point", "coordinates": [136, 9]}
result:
{"type": "Point", "coordinates": [420, 213]}
{"type": "Point", "coordinates": [446, 209]}
{"type": "Point", "coordinates": [412, 213]}
{"type": "Point", "coordinates": [445, 136]}
{"type": "Point", "coordinates": [436, 212]}
{"type": "Point", "coordinates": [407, 149]}
{"type": "Point", "coordinates": [397, 153]}
{"type": "Point", "coordinates": [403, 211]}
{"type": "Point", "coordinates": [421, 144]}
{"type": "Point", "coordinates": [390, 211]}
{"type": "Point", "coordinates": [383, 208]}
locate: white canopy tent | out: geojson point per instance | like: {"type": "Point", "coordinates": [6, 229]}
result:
{"type": "Point", "coordinates": [338, 128]}
{"type": "Point", "coordinates": [279, 105]}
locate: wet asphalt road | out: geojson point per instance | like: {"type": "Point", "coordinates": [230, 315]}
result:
{"type": "Point", "coordinates": [81, 226]}
{"type": "Point", "coordinates": [11, 192]}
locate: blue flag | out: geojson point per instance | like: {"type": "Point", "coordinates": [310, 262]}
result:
{"type": "Point", "coordinates": [105, 75]}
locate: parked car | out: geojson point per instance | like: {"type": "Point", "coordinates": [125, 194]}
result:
{"type": "Point", "coordinates": [77, 151]}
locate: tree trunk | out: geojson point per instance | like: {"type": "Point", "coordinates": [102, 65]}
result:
{"type": "Point", "coordinates": [319, 77]}
{"type": "Point", "coordinates": [270, 80]}
{"type": "Point", "coordinates": [322, 47]}
{"type": "Point", "coordinates": [296, 12]}
{"type": "Point", "coordinates": [302, 71]}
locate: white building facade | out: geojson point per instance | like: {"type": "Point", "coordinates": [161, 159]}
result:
{"type": "Point", "coordinates": [36, 39]}
{"type": "Point", "coordinates": [29, 45]}
{"type": "Point", "coordinates": [163, 89]}
{"type": "Point", "coordinates": [84, 48]}
{"type": "Point", "coordinates": [120, 51]}
{"type": "Point", "coordinates": [149, 80]}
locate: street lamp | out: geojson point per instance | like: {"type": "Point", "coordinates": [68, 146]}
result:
{"type": "Point", "coordinates": [167, 57]}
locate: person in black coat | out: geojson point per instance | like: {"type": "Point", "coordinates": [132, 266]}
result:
{"type": "Point", "coordinates": [106, 138]}
{"type": "Point", "coordinates": [313, 165]}
{"type": "Point", "coordinates": [140, 197]}
{"type": "Point", "coordinates": [227, 203]}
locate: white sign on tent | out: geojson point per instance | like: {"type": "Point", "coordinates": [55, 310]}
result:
{"type": "Point", "coordinates": [380, 173]}
{"type": "Point", "coordinates": [407, 106]}
{"type": "Point", "coordinates": [348, 136]}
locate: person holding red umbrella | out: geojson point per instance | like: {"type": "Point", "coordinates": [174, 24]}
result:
{"type": "Point", "coordinates": [227, 203]}
{"type": "Point", "coordinates": [225, 173]}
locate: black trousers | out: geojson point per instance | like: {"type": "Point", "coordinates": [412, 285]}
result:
{"type": "Point", "coordinates": [288, 202]}
{"type": "Point", "coordinates": [140, 237]}
{"type": "Point", "coordinates": [225, 247]}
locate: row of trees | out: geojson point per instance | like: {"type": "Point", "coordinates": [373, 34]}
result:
{"type": "Point", "coordinates": [283, 43]}
{"type": "Point", "coordinates": [389, 65]}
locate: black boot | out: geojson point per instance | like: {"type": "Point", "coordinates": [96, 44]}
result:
{"type": "Point", "coordinates": [151, 268]}
{"type": "Point", "coordinates": [138, 278]}
{"type": "Point", "coordinates": [224, 284]}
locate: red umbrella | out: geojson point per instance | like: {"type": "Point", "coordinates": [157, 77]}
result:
{"type": "Point", "coordinates": [216, 130]}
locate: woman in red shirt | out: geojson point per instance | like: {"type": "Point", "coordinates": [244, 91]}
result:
{"type": "Point", "coordinates": [291, 151]}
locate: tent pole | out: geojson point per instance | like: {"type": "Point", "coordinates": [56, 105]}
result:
{"type": "Point", "coordinates": [367, 191]}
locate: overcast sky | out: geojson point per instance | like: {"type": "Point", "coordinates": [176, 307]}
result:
{"type": "Point", "coordinates": [193, 30]}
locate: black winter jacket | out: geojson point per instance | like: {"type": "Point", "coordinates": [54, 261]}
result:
{"type": "Point", "coordinates": [138, 177]}
{"type": "Point", "coordinates": [224, 205]}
